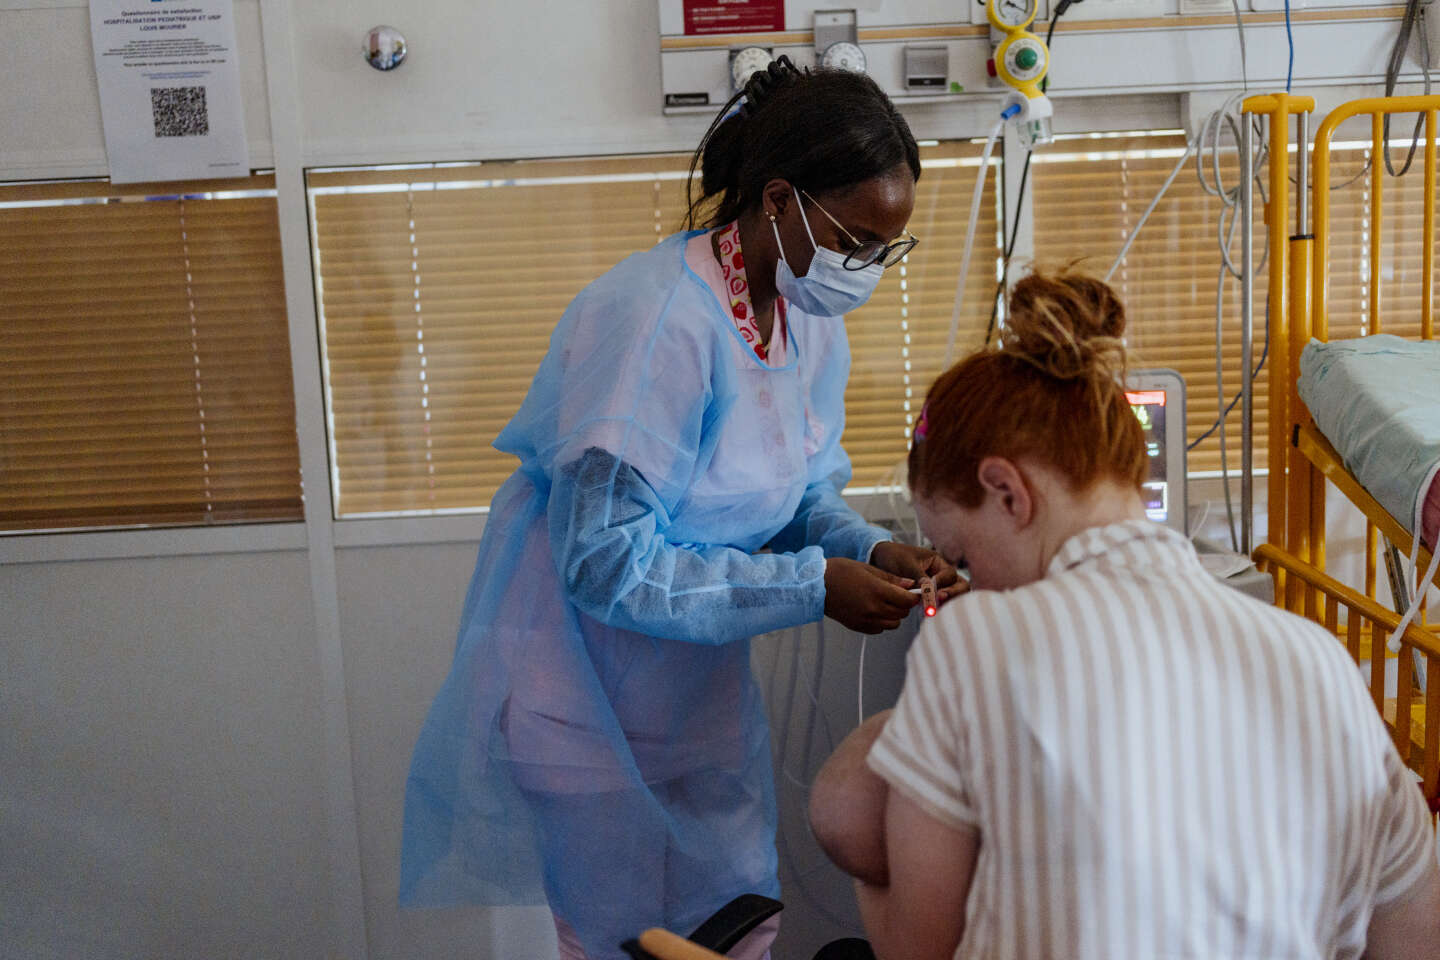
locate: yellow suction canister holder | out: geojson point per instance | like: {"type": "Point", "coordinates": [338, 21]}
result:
{"type": "Point", "coordinates": [1021, 61]}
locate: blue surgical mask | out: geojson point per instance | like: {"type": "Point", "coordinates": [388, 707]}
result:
{"type": "Point", "coordinates": [827, 289]}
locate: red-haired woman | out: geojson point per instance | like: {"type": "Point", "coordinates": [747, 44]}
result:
{"type": "Point", "coordinates": [1101, 751]}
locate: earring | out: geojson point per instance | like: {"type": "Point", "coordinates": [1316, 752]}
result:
{"type": "Point", "coordinates": [770, 215]}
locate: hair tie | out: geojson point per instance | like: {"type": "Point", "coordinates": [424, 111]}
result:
{"type": "Point", "coordinates": [923, 426]}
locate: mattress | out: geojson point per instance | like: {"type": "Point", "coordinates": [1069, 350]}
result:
{"type": "Point", "coordinates": [1377, 400]}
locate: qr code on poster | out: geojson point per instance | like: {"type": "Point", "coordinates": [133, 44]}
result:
{"type": "Point", "coordinates": [179, 111]}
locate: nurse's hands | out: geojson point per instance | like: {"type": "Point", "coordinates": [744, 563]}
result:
{"type": "Point", "coordinates": [912, 563]}
{"type": "Point", "coordinates": [866, 598]}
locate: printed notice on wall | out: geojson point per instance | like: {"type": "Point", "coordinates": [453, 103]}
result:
{"type": "Point", "coordinates": [734, 16]}
{"type": "Point", "coordinates": [169, 89]}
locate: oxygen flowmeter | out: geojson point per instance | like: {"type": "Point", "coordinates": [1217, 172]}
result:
{"type": "Point", "coordinates": [1021, 61]}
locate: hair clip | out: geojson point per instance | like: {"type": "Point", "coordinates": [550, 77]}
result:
{"type": "Point", "coordinates": [923, 426]}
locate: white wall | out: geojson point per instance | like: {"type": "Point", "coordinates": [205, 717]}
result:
{"type": "Point", "coordinates": [160, 760]}
{"type": "Point", "coordinates": [194, 759]}
{"type": "Point", "coordinates": [50, 104]}
{"type": "Point", "coordinates": [485, 80]}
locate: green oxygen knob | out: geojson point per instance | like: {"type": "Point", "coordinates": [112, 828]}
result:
{"type": "Point", "coordinates": [1026, 58]}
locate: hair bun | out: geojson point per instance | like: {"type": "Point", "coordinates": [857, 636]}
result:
{"type": "Point", "coordinates": [1068, 325]}
{"type": "Point", "coordinates": [762, 83]}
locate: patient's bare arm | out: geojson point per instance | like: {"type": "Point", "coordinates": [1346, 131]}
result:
{"type": "Point", "coordinates": [847, 806]}
{"type": "Point", "coordinates": [1408, 928]}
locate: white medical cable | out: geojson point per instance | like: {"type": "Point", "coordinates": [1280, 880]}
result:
{"type": "Point", "coordinates": [1240, 30]}
{"type": "Point", "coordinates": [1130, 240]}
{"type": "Point", "coordinates": [970, 238]}
{"type": "Point", "coordinates": [1196, 148]}
{"type": "Point", "coordinates": [1422, 585]}
{"type": "Point", "coordinates": [1209, 145]}
{"type": "Point", "coordinates": [1200, 524]}
{"type": "Point", "coordinates": [1220, 406]}
{"type": "Point", "coordinates": [860, 684]}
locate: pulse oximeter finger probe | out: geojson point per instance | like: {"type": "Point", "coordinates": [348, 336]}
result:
{"type": "Point", "coordinates": [929, 596]}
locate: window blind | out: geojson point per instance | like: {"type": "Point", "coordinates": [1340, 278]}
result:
{"type": "Point", "coordinates": [144, 356]}
{"type": "Point", "coordinates": [438, 291]}
{"type": "Point", "coordinates": [439, 287]}
{"type": "Point", "coordinates": [898, 339]}
{"type": "Point", "coordinates": [1089, 194]}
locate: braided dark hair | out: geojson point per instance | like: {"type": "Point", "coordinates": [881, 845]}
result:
{"type": "Point", "coordinates": [820, 129]}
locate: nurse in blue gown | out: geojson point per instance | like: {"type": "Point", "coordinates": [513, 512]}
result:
{"type": "Point", "coordinates": [600, 745]}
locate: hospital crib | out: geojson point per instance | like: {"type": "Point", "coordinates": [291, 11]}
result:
{"type": "Point", "coordinates": [1301, 459]}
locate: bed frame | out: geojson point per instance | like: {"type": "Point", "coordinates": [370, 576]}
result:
{"type": "Point", "coordinates": [1301, 460]}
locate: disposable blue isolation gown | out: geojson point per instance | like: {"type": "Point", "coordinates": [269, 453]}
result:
{"type": "Point", "coordinates": [600, 743]}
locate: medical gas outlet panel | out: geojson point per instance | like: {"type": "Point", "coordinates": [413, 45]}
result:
{"type": "Point", "coordinates": [939, 51]}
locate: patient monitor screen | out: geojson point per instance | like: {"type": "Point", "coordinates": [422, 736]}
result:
{"type": "Point", "coordinates": [1149, 408]}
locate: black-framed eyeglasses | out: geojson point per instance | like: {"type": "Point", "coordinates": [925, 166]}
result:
{"type": "Point", "coordinates": [866, 252]}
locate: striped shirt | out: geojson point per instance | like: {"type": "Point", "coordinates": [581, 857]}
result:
{"type": "Point", "coordinates": [1157, 765]}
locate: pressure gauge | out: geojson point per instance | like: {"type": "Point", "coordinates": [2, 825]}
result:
{"type": "Point", "coordinates": [844, 55]}
{"type": "Point", "coordinates": [837, 42]}
{"type": "Point", "coordinates": [744, 61]}
{"type": "Point", "coordinates": [1011, 15]}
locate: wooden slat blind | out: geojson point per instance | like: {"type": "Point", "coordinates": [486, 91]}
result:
{"type": "Point", "coordinates": [898, 339]}
{"type": "Point", "coordinates": [144, 356]}
{"type": "Point", "coordinates": [438, 296]}
{"type": "Point", "coordinates": [439, 288]}
{"type": "Point", "coordinates": [1086, 204]}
